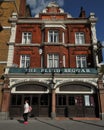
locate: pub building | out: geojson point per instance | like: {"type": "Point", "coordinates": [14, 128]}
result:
{"type": "Point", "coordinates": [52, 62]}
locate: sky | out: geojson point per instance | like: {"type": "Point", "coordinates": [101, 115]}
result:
{"type": "Point", "coordinates": [73, 7]}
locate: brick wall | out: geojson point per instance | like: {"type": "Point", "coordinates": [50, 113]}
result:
{"type": "Point", "coordinates": [8, 7]}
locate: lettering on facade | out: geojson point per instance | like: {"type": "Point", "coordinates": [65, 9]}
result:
{"type": "Point", "coordinates": [54, 70]}
{"type": "Point", "coordinates": [65, 70]}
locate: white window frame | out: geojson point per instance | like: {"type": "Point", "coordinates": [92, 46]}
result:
{"type": "Point", "coordinates": [81, 61]}
{"type": "Point", "coordinates": [24, 61]}
{"type": "Point", "coordinates": [26, 37]}
{"type": "Point", "coordinates": [64, 58]}
{"type": "Point", "coordinates": [63, 37]}
{"type": "Point", "coordinates": [79, 38]}
{"type": "Point", "coordinates": [87, 100]}
{"type": "Point", "coordinates": [52, 60]}
{"type": "Point", "coordinates": [53, 36]}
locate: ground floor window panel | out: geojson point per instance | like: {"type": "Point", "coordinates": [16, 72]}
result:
{"type": "Point", "coordinates": [76, 105]}
{"type": "Point", "coordinates": [40, 104]}
{"type": "Point", "coordinates": [67, 105]}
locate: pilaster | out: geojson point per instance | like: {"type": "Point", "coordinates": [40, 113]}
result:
{"type": "Point", "coordinates": [101, 98]}
{"type": "Point", "coordinates": [53, 112]}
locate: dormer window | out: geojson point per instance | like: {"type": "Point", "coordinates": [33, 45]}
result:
{"type": "Point", "coordinates": [53, 36]}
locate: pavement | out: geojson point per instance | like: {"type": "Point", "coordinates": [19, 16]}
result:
{"type": "Point", "coordinates": [49, 124]}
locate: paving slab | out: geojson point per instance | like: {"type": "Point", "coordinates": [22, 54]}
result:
{"type": "Point", "coordinates": [49, 124]}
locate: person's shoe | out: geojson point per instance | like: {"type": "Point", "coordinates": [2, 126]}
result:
{"type": "Point", "coordinates": [26, 122]}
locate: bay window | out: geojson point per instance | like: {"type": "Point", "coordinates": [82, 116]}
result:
{"type": "Point", "coordinates": [53, 36]}
{"type": "Point", "coordinates": [53, 60]}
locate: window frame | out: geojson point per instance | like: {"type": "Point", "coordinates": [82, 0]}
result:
{"type": "Point", "coordinates": [52, 60]}
{"type": "Point", "coordinates": [53, 36]}
{"type": "Point", "coordinates": [81, 61]}
{"type": "Point", "coordinates": [89, 101]}
{"type": "Point", "coordinates": [16, 100]}
{"type": "Point", "coordinates": [79, 38]}
{"type": "Point", "coordinates": [26, 37]}
{"type": "Point", "coordinates": [63, 37]}
{"type": "Point", "coordinates": [61, 100]}
{"type": "Point", "coordinates": [64, 60]}
{"type": "Point", "coordinates": [26, 61]}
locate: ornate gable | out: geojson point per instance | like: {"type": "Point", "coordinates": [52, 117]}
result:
{"type": "Point", "coordinates": [53, 7]}
{"type": "Point", "coordinates": [53, 12]}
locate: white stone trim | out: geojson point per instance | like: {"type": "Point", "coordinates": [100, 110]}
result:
{"type": "Point", "coordinates": [6, 27]}
{"type": "Point", "coordinates": [82, 21]}
{"type": "Point", "coordinates": [75, 92]}
{"type": "Point", "coordinates": [11, 45]}
{"type": "Point", "coordinates": [54, 26]}
{"type": "Point", "coordinates": [93, 31]}
{"type": "Point", "coordinates": [30, 92]}
{"type": "Point", "coordinates": [3, 62]}
{"type": "Point", "coordinates": [15, 81]}
{"type": "Point", "coordinates": [10, 55]}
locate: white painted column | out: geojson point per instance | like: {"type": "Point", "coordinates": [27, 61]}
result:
{"type": "Point", "coordinates": [11, 42]}
{"type": "Point", "coordinates": [94, 37]}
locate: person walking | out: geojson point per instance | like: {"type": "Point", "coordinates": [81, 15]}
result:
{"type": "Point", "coordinates": [26, 112]}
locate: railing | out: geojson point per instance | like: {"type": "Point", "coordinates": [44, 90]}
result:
{"type": "Point", "coordinates": [54, 70]}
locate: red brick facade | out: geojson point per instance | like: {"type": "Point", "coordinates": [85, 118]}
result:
{"type": "Point", "coordinates": [61, 88]}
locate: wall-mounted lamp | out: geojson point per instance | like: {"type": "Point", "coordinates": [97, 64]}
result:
{"type": "Point", "coordinates": [40, 50]}
{"type": "Point", "coordinates": [27, 68]}
{"type": "Point", "coordinates": [52, 83]}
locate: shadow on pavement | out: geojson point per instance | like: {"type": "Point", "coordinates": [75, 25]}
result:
{"type": "Point", "coordinates": [50, 124]}
{"type": "Point", "coordinates": [20, 121]}
{"type": "Point", "coordinates": [89, 123]}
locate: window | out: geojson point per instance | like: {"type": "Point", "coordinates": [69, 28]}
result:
{"type": "Point", "coordinates": [64, 61]}
{"type": "Point", "coordinates": [16, 100]}
{"type": "Point", "coordinates": [26, 37]}
{"type": "Point", "coordinates": [79, 38]}
{"type": "Point", "coordinates": [35, 100]}
{"type": "Point", "coordinates": [53, 36]}
{"type": "Point", "coordinates": [63, 37]}
{"type": "Point", "coordinates": [79, 100]}
{"type": "Point", "coordinates": [24, 61]}
{"type": "Point", "coordinates": [61, 100]}
{"type": "Point", "coordinates": [53, 60]}
{"type": "Point", "coordinates": [44, 99]}
{"type": "Point", "coordinates": [81, 62]}
{"type": "Point", "coordinates": [71, 100]}
{"type": "Point", "coordinates": [89, 100]}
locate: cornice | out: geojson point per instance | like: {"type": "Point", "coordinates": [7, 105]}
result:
{"type": "Point", "coordinates": [68, 21]}
{"type": "Point", "coordinates": [53, 44]}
